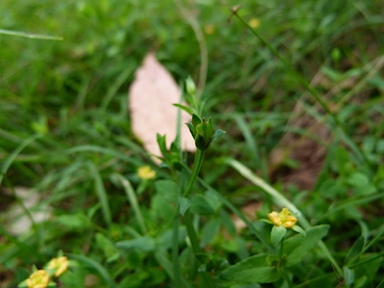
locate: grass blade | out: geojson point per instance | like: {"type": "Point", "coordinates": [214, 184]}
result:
{"type": "Point", "coordinates": [100, 270]}
{"type": "Point", "coordinates": [30, 35]}
{"type": "Point", "coordinates": [14, 154]}
{"type": "Point", "coordinates": [133, 201]}
{"type": "Point", "coordinates": [101, 193]}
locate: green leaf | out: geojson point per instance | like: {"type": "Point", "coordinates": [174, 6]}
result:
{"type": "Point", "coordinates": [217, 134]}
{"type": "Point", "coordinates": [185, 108]}
{"type": "Point", "coordinates": [164, 240]}
{"type": "Point", "coordinates": [96, 266]}
{"type": "Point", "coordinates": [163, 203]}
{"type": "Point", "coordinates": [277, 234]}
{"type": "Point", "coordinates": [381, 284]}
{"type": "Point", "coordinates": [110, 251]}
{"type": "Point", "coordinates": [368, 266]}
{"type": "Point", "coordinates": [101, 193]}
{"type": "Point", "coordinates": [195, 120]}
{"type": "Point", "coordinates": [251, 270]}
{"type": "Point", "coordinates": [227, 222]}
{"type": "Point", "coordinates": [192, 129]}
{"type": "Point", "coordinates": [355, 250]}
{"type": "Point", "coordinates": [201, 206]}
{"type": "Point", "coordinates": [161, 141]}
{"type": "Point", "coordinates": [210, 230]}
{"type": "Point", "coordinates": [190, 86]}
{"type": "Point", "coordinates": [74, 221]}
{"type": "Point", "coordinates": [145, 244]}
{"type": "Point", "coordinates": [184, 204]}
{"type": "Point", "coordinates": [349, 276]}
{"type": "Point", "coordinates": [361, 183]}
{"type": "Point", "coordinates": [299, 230]}
{"type": "Point", "coordinates": [199, 142]}
{"type": "Point", "coordinates": [298, 246]}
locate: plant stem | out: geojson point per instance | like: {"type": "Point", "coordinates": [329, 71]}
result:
{"type": "Point", "coordinates": [196, 249]}
{"type": "Point", "coordinates": [175, 251]}
{"type": "Point", "coordinates": [285, 275]}
{"type": "Point", "coordinates": [194, 240]}
{"type": "Point", "coordinates": [199, 156]}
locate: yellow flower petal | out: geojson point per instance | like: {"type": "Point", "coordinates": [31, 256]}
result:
{"type": "Point", "coordinates": [59, 265]}
{"type": "Point", "coordinates": [209, 29]}
{"type": "Point", "coordinates": [284, 218]}
{"type": "Point", "coordinates": [274, 217]}
{"type": "Point", "coordinates": [254, 23]}
{"type": "Point", "coordinates": [146, 173]}
{"type": "Point", "coordinates": [38, 279]}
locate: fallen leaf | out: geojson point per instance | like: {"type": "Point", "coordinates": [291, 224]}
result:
{"type": "Point", "coordinates": [151, 99]}
{"type": "Point", "coordinates": [17, 220]}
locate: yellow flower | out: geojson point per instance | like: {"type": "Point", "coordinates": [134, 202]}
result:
{"type": "Point", "coordinates": [209, 29]}
{"type": "Point", "coordinates": [284, 218]}
{"type": "Point", "coordinates": [146, 173]}
{"type": "Point", "coordinates": [38, 279]}
{"type": "Point", "coordinates": [254, 23]}
{"type": "Point", "coordinates": [59, 265]}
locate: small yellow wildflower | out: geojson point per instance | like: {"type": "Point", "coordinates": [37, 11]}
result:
{"type": "Point", "coordinates": [209, 29]}
{"type": "Point", "coordinates": [254, 23]}
{"type": "Point", "coordinates": [284, 218]}
{"type": "Point", "coordinates": [146, 173]}
{"type": "Point", "coordinates": [38, 279]}
{"type": "Point", "coordinates": [59, 265]}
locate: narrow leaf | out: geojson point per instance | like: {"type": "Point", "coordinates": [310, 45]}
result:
{"type": "Point", "coordinates": [185, 108]}
{"type": "Point", "coordinates": [96, 266]}
{"type": "Point", "coordinates": [217, 134]}
{"type": "Point", "coordinates": [101, 193]}
{"type": "Point", "coordinates": [191, 129]}
{"type": "Point", "coordinates": [355, 250]}
{"type": "Point", "coordinates": [145, 244]}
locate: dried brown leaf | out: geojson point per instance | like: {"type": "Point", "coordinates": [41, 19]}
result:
{"type": "Point", "coordinates": [151, 99]}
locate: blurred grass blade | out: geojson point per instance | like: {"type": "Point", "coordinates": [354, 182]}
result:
{"type": "Point", "coordinates": [8, 162]}
{"type": "Point", "coordinates": [101, 193]}
{"type": "Point", "coordinates": [114, 88]}
{"type": "Point", "coordinates": [96, 266]}
{"type": "Point", "coordinates": [249, 138]}
{"type": "Point", "coordinates": [29, 35]}
{"type": "Point", "coordinates": [133, 201]}
{"type": "Point", "coordinates": [278, 198]}
{"type": "Point", "coordinates": [98, 149]}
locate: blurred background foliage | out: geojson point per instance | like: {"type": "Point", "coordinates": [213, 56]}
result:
{"type": "Point", "coordinates": [74, 94]}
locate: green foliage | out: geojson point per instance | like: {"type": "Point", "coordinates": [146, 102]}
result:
{"type": "Point", "coordinates": [65, 133]}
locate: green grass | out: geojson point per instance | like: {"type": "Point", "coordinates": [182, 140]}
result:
{"type": "Point", "coordinates": [65, 132]}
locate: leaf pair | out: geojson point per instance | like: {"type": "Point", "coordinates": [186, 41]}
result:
{"type": "Point", "coordinates": [263, 268]}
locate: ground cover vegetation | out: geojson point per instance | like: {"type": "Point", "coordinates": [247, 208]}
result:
{"type": "Point", "coordinates": [296, 85]}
